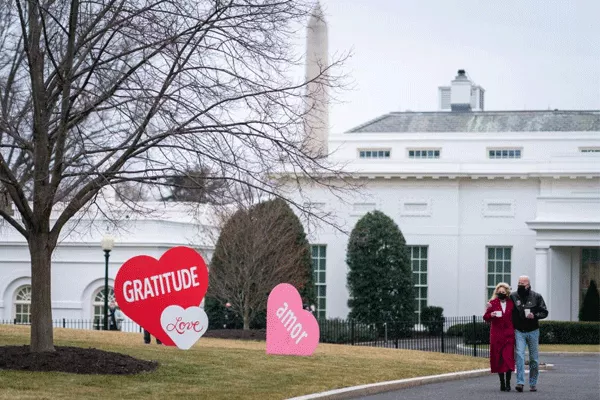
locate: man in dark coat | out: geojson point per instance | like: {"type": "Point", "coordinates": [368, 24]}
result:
{"type": "Point", "coordinates": [529, 308]}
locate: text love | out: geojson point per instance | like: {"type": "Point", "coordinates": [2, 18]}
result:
{"type": "Point", "coordinates": [180, 326]}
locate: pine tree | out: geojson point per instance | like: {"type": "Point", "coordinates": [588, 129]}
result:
{"type": "Point", "coordinates": [379, 276]}
{"type": "Point", "coordinates": [590, 309]}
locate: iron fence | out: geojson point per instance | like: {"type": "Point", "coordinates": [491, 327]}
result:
{"type": "Point", "coordinates": [452, 335]}
{"type": "Point", "coordinates": [84, 324]}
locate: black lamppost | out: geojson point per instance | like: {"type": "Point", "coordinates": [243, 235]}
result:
{"type": "Point", "coordinates": [107, 245]}
{"type": "Point", "coordinates": [227, 306]}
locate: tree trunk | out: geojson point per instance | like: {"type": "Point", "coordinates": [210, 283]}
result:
{"type": "Point", "coordinates": [42, 335]}
{"type": "Point", "coordinates": [246, 318]}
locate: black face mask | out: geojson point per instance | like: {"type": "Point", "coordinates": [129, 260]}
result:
{"type": "Point", "coordinates": [522, 290]}
{"type": "Point", "coordinates": [502, 296]}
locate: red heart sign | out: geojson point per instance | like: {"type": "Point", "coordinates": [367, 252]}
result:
{"type": "Point", "coordinates": [144, 287]}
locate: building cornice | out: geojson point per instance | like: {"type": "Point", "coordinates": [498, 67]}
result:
{"type": "Point", "coordinates": [564, 225]}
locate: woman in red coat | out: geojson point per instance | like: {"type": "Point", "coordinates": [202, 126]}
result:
{"type": "Point", "coordinates": [502, 334]}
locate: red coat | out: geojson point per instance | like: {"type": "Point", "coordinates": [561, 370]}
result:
{"type": "Point", "coordinates": [502, 337]}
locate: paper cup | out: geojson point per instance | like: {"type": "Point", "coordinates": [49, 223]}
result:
{"type": "Point", "coordinates": [527, 312]}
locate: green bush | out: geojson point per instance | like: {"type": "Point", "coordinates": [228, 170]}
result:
{"type": "Point", "coordinates": [478, 333]}
{"type": "Point", "coordinates": [339, 331]}
{"type": "Point", "coordinates": [458, 329]}
{"type": "Point", "coordinates": [569, 332]}
{"type": "Point", "coordinates": [590, 309]}
{"type": "Point", "coordinates": [551, 332]}
{"type": "Point", "coordinates": [433, 319]}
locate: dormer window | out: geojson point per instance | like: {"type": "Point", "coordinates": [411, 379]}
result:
{"type": "Point", "coordinates": [424, 153]}
{"type": "Point", "coordinates": [374, 153]}
{"type": "Point", "coordinates": [496, 154]}
{"type": "Point", "coordinates": [589, 149]}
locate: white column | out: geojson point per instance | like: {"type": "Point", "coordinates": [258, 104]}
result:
{"type": "Point", "coordinates": [542, 270]}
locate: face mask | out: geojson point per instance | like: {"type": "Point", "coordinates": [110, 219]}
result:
{"type": "Point", "coordinates": [522, 290]}
{"type": "Point", "coordinates": [502, 296]}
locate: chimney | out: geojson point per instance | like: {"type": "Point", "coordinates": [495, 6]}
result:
{"type": "Point", "coordinates": [462, 95]}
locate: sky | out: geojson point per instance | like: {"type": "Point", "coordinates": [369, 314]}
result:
{"type": "Point", "coordinates": [533, 55]}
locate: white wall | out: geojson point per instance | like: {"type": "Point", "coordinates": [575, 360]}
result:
{"type": "Point", "coordinates": [561, 297]}
{"type": "Point", "coordinates": [457, 225]}
{"type": "Point", "coordinates": [78, 262]}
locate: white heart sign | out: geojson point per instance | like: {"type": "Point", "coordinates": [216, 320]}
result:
{"type": "Point", "coordinates": [184, 327]}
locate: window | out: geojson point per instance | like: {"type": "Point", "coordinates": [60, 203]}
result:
{"type": "Point", "coordinates": [23, 305]}
{"type": "Point", "coordinates": [504, 153]}
{"type": "Point", "coordinates": [374, 153]}
{"type": "Point", "coordinates": [319, 256]}
{"type": "Point", "coordinates": [98, 305]}
{"type": "Point", "coordinates": [589, 149]}
{"type": "Point", "coordinates": [418, 261]}
{"type": "Point", "coordinates": [498, 267]}
{"type": "Point", "coordinates": [424, 153]}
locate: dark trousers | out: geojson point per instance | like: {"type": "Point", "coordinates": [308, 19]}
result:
{"type": "Point", "coordinates": [147, 338]}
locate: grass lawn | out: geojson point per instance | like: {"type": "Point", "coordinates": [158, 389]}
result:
{"type": "Point", "coordinates": [219, 369]}
{"type": "Point", "coordinates": [563, 348]}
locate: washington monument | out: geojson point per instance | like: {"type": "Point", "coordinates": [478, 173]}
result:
{"type": "Point", "coordinates": [316, 126]}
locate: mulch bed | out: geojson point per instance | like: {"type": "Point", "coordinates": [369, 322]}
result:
{"type": "Point", "coordinates": [236, 334]}
{"type": "Point", "coordinates": [74, 360]}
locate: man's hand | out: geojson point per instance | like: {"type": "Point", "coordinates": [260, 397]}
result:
{"type": "Point", "coordinates": [530, 316]}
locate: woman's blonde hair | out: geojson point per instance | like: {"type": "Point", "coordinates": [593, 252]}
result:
{"type": "Point", "coordinates": [501, 284]}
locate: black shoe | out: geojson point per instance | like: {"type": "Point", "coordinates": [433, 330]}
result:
{"type": "Point", "coordinates": [502, 387]}
{"type": "Point", "coordinates": [507, 387]}
{"type": "Point", "coordinates": [519, 388]}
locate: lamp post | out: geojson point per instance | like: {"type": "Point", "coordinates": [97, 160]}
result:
{"type": "Point", "coordinates": [227, 305]}
{"type": "Point", "coordinates": [107, 245]}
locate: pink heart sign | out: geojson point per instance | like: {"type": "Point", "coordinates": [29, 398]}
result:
{"type": "Point", "coordinates": [291, 330]}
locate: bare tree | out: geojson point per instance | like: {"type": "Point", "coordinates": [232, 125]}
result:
{"type": "Point", "coordinates": [199, 185]}
{"type": "Point", "coordinates": [259, 248]}
{"type": "Point", "coordinates": [97, 93]}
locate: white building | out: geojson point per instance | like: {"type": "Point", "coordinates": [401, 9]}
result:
{"type": "Point", "coordinates": [480, 196]}
{"type": "Point", "coordinates": [78, 263]}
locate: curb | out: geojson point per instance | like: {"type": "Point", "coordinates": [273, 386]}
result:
{"type": "Point", "coordinates": [381, 387]}
{"type": "Point", "coordinates": [389, 386]}
{"type": "Point", "coordinates": [567, 353]}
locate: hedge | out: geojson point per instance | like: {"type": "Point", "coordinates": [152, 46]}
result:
{"type": "Point", "coordinates": [569, 332]}
{"type": "Point", "coordinates": [551, 332]}
{"type": "Point", "coordinates": [432, 318]}
{"type": "Point", "coordinates": [339, 331]}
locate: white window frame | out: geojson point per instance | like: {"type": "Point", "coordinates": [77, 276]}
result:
{"type": "Point", "coordinates": [498, 264]}
{"type": "Point", "coordinates": [98, 301]}
{"type": "Point", "coordinates": [374, 153]}
{"type": "Point", "coordinates": [422, 283]}
{"type": "Point", "coordinates": [320, 312]}
{"type": "Point", "coordinates": [424, 153]}
{"type": "Point", "coordinates": [505, 153]}
{"type": "Point", "coordinates": [22, 303]}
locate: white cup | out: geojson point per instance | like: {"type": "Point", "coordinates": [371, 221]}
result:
{"type": "Point", "coordinates": [498, 313]}
{"type": "Point", "coordinates": [527, 312]}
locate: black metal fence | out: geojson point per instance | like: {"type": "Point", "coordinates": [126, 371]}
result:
{"type": "Point", "coordinates": [453, 335]}
{"type": "Point", "coordinates": [85, 324]}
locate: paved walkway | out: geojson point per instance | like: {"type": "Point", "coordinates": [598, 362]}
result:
{"type": "Point", "coordinates": [573, 377]}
